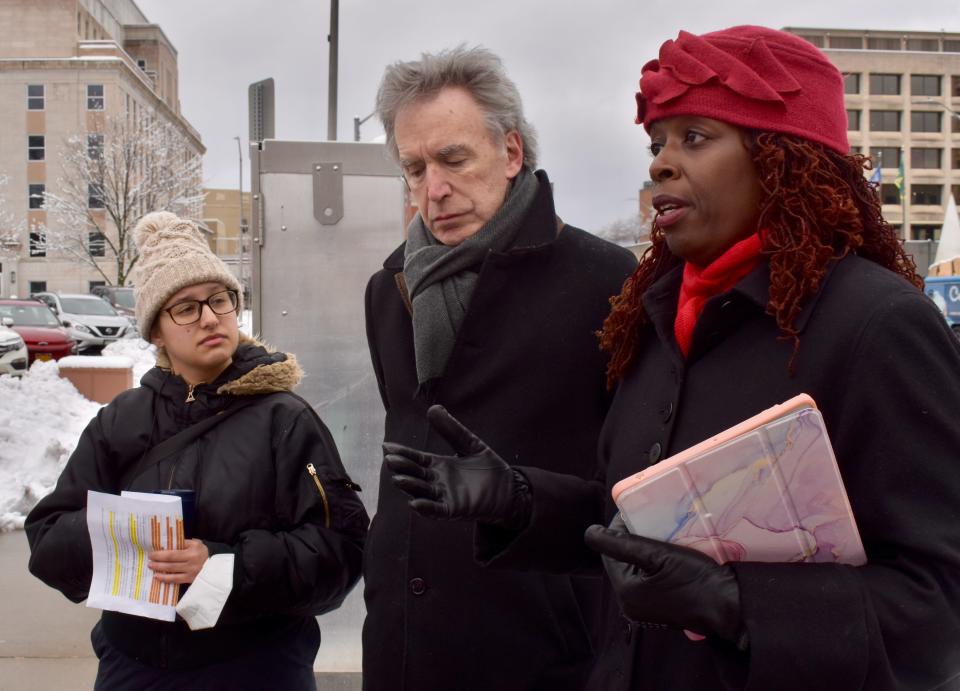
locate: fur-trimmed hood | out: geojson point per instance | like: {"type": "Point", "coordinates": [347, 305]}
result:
{"type": "Point", "coordinates": [257, 369]}
{"type": "Point", "coordinates": [271, 371]}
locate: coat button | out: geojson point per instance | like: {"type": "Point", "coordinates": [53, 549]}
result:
{"type": "Point", "coordinates": [667, 411]}
{"type": "Point", "coordinates": [418, 586]}
{"type": "Point", "coordinates": [655, 452]}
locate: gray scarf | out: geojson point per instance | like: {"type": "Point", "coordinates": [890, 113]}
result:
{"type": "Point", "coordinates": [440, 280]}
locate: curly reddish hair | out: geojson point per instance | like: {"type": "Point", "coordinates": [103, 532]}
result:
{"type": "Point", "coordinates": [816, 204]}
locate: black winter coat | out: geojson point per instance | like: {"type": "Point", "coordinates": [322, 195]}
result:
{"type": "Point", "coordinates": [527, 376]}
{"type": "Point", "coordinates": [254, 497]}
{"type": "Point", "coordinates": [884, 369]}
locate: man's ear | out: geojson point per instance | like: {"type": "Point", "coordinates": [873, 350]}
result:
{"type": "Point", "coordinates": [514, 146]}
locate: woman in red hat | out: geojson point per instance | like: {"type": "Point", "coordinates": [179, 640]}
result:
{"type": "Point", "coordinates": [771, 273]}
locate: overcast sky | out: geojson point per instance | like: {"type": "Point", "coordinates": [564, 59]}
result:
{"type": "Point", "coordinates": [577, 69]}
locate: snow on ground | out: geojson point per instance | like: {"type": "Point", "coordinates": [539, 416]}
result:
{"type": "Point", "coordinates": [246, 322]}
{"type": "Point", "coordinates": [143, 355]}
{"type": "Point", "coordinates": [41, 418]}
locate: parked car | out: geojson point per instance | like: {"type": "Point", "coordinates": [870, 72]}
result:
{"type": "Point", "coordinates": [120, 298]}
{"type": "Point", "coordinates": [13, 351]}
{"type": "Point", "coordinates": [89, 320]}
{"type": "Point", "coordinates": [39, 328]}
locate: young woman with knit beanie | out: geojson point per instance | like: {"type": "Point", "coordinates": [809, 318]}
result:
{"type": "Point", "coordinates": [771, 273]}
{"type": "Point", "coordinates": [278, 529]}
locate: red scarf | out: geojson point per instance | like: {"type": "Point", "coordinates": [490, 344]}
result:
{"type": "Point", "coordinates": [701, 284]}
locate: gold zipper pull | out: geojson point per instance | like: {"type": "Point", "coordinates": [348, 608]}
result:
{"type": "Point", "coordinates": [323, 495]}
{"type": "Point", "coordinates": [190, 388]}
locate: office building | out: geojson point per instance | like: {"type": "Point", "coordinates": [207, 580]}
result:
{"type": "Point", "coordinates": [66, 68]}
{"type": "Point", "coordinates": [902, 96]}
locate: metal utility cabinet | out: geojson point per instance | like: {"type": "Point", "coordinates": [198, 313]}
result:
{"type": "Point", "coordinates": [325, 216]}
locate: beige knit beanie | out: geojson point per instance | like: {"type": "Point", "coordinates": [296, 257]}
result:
{"type": "Point", "coordinates": [173, 255]}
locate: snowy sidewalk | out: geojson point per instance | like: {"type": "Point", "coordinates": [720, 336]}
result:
{"type": "Point", "coordinates": [44, 638]}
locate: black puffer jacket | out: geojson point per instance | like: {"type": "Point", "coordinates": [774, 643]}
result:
{"type": "Point", "coordinates": [254, 497]}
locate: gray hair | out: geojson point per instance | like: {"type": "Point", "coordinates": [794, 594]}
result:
{"type": "Point", "coordinates": [478, 71]}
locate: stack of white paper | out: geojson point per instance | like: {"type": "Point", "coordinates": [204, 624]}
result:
{"type": "Point", "coordinates": [123, 532]}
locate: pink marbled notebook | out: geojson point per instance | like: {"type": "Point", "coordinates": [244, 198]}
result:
{"type": "Point", "coordinates": [766, 490]}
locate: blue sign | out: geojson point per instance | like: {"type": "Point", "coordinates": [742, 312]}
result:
{"type": "Point", "coordinates": [945, 293]}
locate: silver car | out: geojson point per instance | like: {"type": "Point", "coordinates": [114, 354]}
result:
{"type": "Point", "coordinates": [90, 321]}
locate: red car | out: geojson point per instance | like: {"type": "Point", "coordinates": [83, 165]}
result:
{"type": "Point", "coordinates": [40, 329]}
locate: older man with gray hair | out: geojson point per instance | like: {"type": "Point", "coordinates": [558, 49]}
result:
{"type": "Point", "coordinates": [489, 308]}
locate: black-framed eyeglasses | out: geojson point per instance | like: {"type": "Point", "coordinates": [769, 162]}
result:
{"type": "Point", "coordinates": [189, 311]}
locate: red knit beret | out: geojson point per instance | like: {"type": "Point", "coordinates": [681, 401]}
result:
{"type": "Point", "coordinates": [749, 76]}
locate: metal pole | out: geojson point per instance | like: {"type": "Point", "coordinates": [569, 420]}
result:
{"type": "Point", "coordinates": [332, 38]}
{"type": "Point", "coordinates": [240, 217]}
{"type": "Point", "coordinates": [357, 121]}
{"type": "Point", "coordinates": [904, 191]}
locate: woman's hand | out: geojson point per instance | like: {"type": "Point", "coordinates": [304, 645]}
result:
{"type": "Point", "coordinates": [179, 565]}
{"type": "Point", "coordinates": [669, 585]}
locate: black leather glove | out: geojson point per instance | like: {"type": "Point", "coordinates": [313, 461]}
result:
{"type": "Point", "coordinates": [474, 485]}
{"type": "Point", "coordinates": [656, 582]}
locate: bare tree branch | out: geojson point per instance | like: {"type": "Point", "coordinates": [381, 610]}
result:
{"type": "Point", "coordinates": [110, 181]}
{"type": "Point", "coordinates": [630, 230]}
{"type": "Point", "coordinates": [11, 227]}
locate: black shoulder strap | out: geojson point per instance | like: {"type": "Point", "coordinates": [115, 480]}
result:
{"type": "Point", "coordinates": [183, 438]}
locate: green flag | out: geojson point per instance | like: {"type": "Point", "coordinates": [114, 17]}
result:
{"type": "Point", "coordinates": [898, 181]}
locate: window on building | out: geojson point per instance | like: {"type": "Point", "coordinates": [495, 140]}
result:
{"type": "Point", "coordinates": [142, 64]}
{"type": "Point", "coordinates": [38, 247]}
{"type": "Point", "coordinates": [925, 121]}
{"type": "Point", "coordinates": [94, 96]}
{"type": "Point", "coordinates": [884, 84]}
{"type": "Point", "coordinates": [924, 232]}
{"type": "Point", "coordinates": [955, 85]}
{"type": "Point", "coordinates": [35, 97]}
{"type": "Point", "coordinates": [97, 244]}
{"type": "Point", "coordinates": [37, 287]}
{"type": "Point", "coordinates": [878, 43]}
{"type": "Point", "coordinates": [931, 45]}
{"type": "Point", "coordinates": [847, 42]}
{"type": "Point", "coordinates": [955, 158]}
{"type": "Point", "coordinates": [924, 84]}
{"type": "Point", "coordinates": [856, 149]}
{"type": "Point", "coordinates": [885, 120]}
{"type": "Point", "coordinates": [853, 119]}
{"type": "Point", "coordinates": [851, 83]}
{"type": "Point", "coordinates": [35, 196]}
{"type": "Point", "coordinates": [951, 45]}
{"type": "Point", "coordinates": [956, 123]}
{"type": "Point", "coordinates": [815, 39]}
{"type": "Point", "coordinates": [885, 156]}
{"type": "Point", "coordinates": [95, 146]}
{"type": "Point", "coordinates": [889, 194]}
{"type": "Point", "coordinates": [95, 197]}
{"type": "Point", "coordinates": [922, 157]}
{"type": "Point", "coordinates": [955, 191]}
{"type": "Point", "coordinates": [95, 284]}
{"type": "Point", "coordinates": [35, 147]}
{"type": "Point", "coordinates": [926, 194]}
